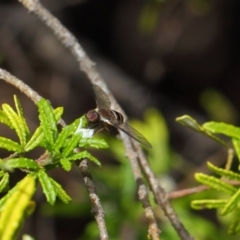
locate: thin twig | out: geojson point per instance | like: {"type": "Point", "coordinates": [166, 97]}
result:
{"type": "Point", "coordinates": [97, 208]}
{"type": "Point", "coordinates": [87, 66]}
{"type": "Point", "coordinates": [201, 188]}
{"type": "Point", "coordinates": [143, 195]}
{"type": "Point", "coordinates": [161, 196]}
{"type": "Point", "coordinates": [9, 78]}
{"type": "Point", "coordinates": [188, 191]}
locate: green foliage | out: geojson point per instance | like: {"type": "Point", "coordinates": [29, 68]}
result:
{"type": "Point", "coordinates": [230, 202]}
{"type": "Point", "coordinates": [191, 123]}
{"type": "Point", "coordinates": [16, 207]}
{"type": "Point", "coordinates": [62, 148]}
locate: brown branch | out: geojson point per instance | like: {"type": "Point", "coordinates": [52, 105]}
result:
{"type": "Point", "coordinates": [9, 78]}
{"type": "Point", "coordinates": [97, 208]}
{"type": "Point", "coordinates": [188, 191]}
{"type": "Point", "coordinates": [201, 188]}
{"type": "Point", "coordinates": [87, 66]}
{"type": "Point", "coordinates": [153, 229]}
{"type": "Point", "coordinates": [160, 195]}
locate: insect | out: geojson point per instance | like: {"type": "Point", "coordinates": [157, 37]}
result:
{"type": "Point", "coordinates": [103, 116]}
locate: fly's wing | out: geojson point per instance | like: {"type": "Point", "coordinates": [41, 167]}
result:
{"type": "Point", "coordinates": [102, 98]}
{"type": "Point", "coordinates": [130, 131]}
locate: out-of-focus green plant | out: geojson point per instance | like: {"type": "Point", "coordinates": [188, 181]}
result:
{"type": "Point", "coordinates": [59, 149]}
{"type": "Point", "coordinates": [149, 16]}
{"type": "Point", "coordinates": [229, 201]}
{"type": "Point", "coordinates": [218, 106]}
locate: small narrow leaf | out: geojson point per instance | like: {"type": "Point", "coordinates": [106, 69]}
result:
{"type": "Point", "coordinates": [62, 195]}
{"type": "Point", "coordinates": [15, 207]}
{"type": "Point", "coordinates": [38, 135]}
{"type": "Point", "coordinates": [232, 203]}
{"type": "Point", "coordinates": [35, 140]}
{"type": "Point", "coordinates": [63, 135]}
{"type": "Point", "coordinates": [47, 186]}
{"type": "Point", "coordinates": [58, 112]}
{"type": "Point", "coordinates": [187, 121]}
{"type": "Point", "coordinates": [236, 144]}
{"type": "Point", "coordinates": [71, 144]}
{"type": "Point", "coordinates": [223, 172]}
{"type": "Point", "coordinates": [4, 119]}
{"type": "Point", "coordinates": [215, 183]}
{"type": "Point", "coordinates": [4, 182]}
{"type": "Point", "coordinates": [48, 121]}
{"type": "Point", "coordinates": [20, 114]}
{"type": "Point", "coordinates": [83, 155]}
{"type": "Point", "coordinates": [208, 203]}
{"type": "Point", "coordinates": [10, 145]}
{"type": "Point", "coordinates": [223, 128]}
{"type": "Point", "coordinates": [22, 163]}
{"type": "Point", "coordinates": [66, 164]}
{"type": "Point", "coordinates": [93, 142]}
{"type": "Point", "coordinates": [16, 122]}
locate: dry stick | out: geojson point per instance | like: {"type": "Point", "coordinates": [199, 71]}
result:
{"type": "Point", "coordinates": [161, 196]}
{"type": "Point", "coordinates": [96, 204]}
{"type": "Point", "coordinates": [193, 190]}
{"type": "Point", "coordinates": [9, 78]}
{"type": "Point", "coordinates": [153, 229]}
{"type": "Point", "coordinates": [95, 200]}
{"type": "Point", "coordinates": [87, 66]}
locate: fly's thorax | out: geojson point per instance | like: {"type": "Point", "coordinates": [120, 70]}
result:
{"type": "Point", "coordinates": [111, 116]}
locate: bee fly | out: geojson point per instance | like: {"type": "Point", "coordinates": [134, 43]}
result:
{"type": "Point", "coordinates": [103, 115]}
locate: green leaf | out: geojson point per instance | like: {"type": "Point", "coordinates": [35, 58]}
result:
{"type": "Point", "coordinates": [208, 203]}
{"type": "Point", "coordinates": [62, 195]}
{"type": "Point", "coordinates": [35, 140]}
{"type": "Point", "coordinates": [223, 128]}
{"type": "Point", "coordinates": [58, 112]}
{"type": "Point", "coordinates": [93, 142]}
{"type": "Point", "coordinates": [22, 163]}
{"type": "Point", "coordinates": [5, 167]}
{"type": "Point", "coordinates": [17, 123]}
{"type": "Point", "coordinates": [4, 182]}
{"type": "Point", "coordinates": [187, 121]}
{"type": "Point", "coordinates": [64, 134]}
{"type": "Point", "coordinates": [10, 145]}
{"type": "Point", "coordinates": [15, 208]}
{"type": "Point", "coordinates": [6, 197]}
{"type": "Point", "coordinates": [20, 114]}
{"type": "Point", "coordinates": [72, 143]}
{"type": "Point", "coordinates": [4, 119]}
{"type": "Point", "coordinates": [66, 164]}
{"type": "Point", "coordinates": [83, 155]}
{"type": "Point", "coordinates": [27, 237]}
{"type": "Point", "coordinates": [235, 224]}
{"type": "Point", "coordinates": [223, 172]}
{"type": "Point", "coordinates": [48, 121]}
{"type": "Point", "coordinates": [215, 183]}
{"type": "Point", "coordinates": [236, 144]}
{"type": "Point", "coordinates": [38, 135]}
{"type": "Point", "coordinates": [47, 186]}
{"type": "Point", "coordinates": [232, 203]}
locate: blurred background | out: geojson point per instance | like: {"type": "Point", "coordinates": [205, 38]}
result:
{"type": "Point", "coordinates": [161, 59]}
